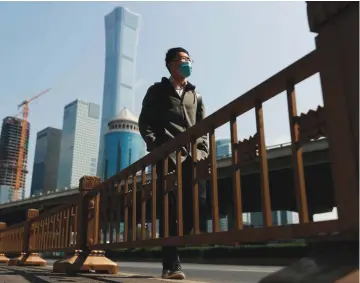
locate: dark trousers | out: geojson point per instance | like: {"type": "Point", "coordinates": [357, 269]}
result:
{"type": "Point", "coordinates": [170, 253]}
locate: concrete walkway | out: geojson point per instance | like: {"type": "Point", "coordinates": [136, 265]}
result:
{"type": "Point", "coordinates": [15, 274]}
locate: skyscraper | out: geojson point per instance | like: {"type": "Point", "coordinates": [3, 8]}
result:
{"type": "Point", "coordinates": [9, 152]}
{"type": "Point", "coordinates": [79, 143]}
{"type": "Point", "coordinates": [46, 161]}
{"type": "Point", "coordinates": [121, 35]}
{"type": "Point", "coordinates": [223, 148]}
{"type": "Point", "coordinates": [123, 143]}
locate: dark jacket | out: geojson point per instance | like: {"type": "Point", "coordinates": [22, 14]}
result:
{"type": "Point", "coordinates": [164, 115]}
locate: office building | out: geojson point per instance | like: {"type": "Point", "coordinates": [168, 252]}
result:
{"type": "Point", "coordinates": [226, 222]}
{"type": "Point", "coordinates": [123, 143]}
{"type": "Point", "coordinates": [79, 143]}
{"type": "Point", "coordinates": [10, 143]}
{"type": "Point", "coordinates": [278, 218]}
{"type": "Point", "coordinates": [46, 161]}
{"type": "Point", "coordinates": [121, 40]}
{"type": "Point", "coordinates": [223, 148]}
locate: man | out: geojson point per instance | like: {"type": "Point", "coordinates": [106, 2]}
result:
{"type": "Point", "coordinates": [169, 108]}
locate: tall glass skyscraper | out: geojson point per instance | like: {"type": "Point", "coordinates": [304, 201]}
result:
{"type": "Point", "coordinates": [121, 35]}
{"type": "Point", "coordinates": [79, 143]}
{"type": "Point", "coordinates": [46, 161]}
{"type": "Point", "coordinates": [123, 143]}
{"type": "Point", "coordinates": [223, 148]}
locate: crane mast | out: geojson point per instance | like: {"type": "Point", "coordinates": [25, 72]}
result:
{"type": "Point", "coordinates": [24, 129]}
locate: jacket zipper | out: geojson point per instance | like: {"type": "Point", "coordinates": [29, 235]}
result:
{"type": "Point", "coordinates": [182, 108]}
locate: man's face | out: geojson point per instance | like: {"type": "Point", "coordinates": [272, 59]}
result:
{"type": "Point", "coordinates": [181, 57]}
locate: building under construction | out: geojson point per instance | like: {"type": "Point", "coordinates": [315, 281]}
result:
{"type": "Point", "coordinates": [10, 142]}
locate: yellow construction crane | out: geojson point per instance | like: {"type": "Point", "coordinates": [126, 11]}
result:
{"type": "Point", "coordinates": [25, 111]}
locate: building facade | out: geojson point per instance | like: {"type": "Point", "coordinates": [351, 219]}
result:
{"type": "Point", "coordinates": [123, 143]}
{"type": "Point", "coordinates": [46, 161]}
{"type": "Point", "coordinates": [121, 40]}
{"type": "Point", "coordinates": [223, 148]}
{"type": "Point", "coordinates": [79, 143]}
{"type": "Point", "coordinates": [10, 142]}
{"type": "Point", "coordinates": [278, 218]}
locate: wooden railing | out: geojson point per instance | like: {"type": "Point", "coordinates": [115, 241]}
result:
{"type": "Point", "coordinates": [118, 197]}
{"type": "Point", "coordinates": [12, 239]}
{"type": "Point", "coordinates": [56, 230]}
{"type": "Point", "coordinates": [90, 224]}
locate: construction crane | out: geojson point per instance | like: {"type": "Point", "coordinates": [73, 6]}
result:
{"type": "Point", "coordinates": [25, 111]}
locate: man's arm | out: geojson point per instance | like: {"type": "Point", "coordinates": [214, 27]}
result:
{"type": "Point", "coordinates": [202, 142]}
{"type": "Point", "coordinates": [147, 119]}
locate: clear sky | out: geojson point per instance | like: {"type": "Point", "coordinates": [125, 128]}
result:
{"type": "Point", "coordinates": [235, 46]}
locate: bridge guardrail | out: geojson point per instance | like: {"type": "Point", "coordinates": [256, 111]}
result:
{"type": "Point", "coordinates": [55, 230]}
{"type": "Point", "coordinates": [102, 206]}
{"type": "Point", "coordinates": [117, 200]}
{"type": "Point", "coordinates": [12, 239]}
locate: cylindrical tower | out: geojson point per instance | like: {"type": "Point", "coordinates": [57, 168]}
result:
{"type": "Point", "coordinates": [123, 143]}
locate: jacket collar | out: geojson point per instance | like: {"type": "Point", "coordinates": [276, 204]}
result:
{"type": "Point", "coordinates": [188, 87]}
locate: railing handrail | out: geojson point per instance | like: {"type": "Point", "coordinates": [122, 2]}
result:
{"type": "Point", "coordinates": [56, 209]}
{"type": "Point", "coordinates": [14, 226]}
{"type": "Point", "coordinates": [296, 72]}
{"type": "Point", "coordinates": [42, 216]}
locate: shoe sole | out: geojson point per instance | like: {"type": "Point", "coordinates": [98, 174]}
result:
{"type": "Point", "coordinates": [178, 276]}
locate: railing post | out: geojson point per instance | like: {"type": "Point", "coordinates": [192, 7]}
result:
{"type": "Point", "coordinates": [32, 259]}
{"type": "Point", "coordinates": [3, 258]}
{"type": "Point", "coordinates": [337, 44]}
{"type": "Point", "coordinates": [86, 259]}
{"type": "Point", "coordinates": [27, 258]}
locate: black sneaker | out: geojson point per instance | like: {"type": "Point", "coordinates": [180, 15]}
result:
{"type": "Point", "coordinates": [173, 273]}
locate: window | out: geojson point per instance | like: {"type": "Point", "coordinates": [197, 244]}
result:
{"type": "Point", "coordinates": [126, 97]}
{"type": "Point", "coordinates": [110, 41]}
{"type": "Point", "coordinates": [94, 111]}
{"type": "Point", "coordinates": [131, 20]}
{"type": "Point", "coordinates": [129, 42]}
{"type": "Point", "coordinates": [127, 71]}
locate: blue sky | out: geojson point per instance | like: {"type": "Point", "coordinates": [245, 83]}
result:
{"type": "Point", "coordinates": [235, 45]}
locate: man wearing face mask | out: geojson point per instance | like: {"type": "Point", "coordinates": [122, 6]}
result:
{"type": "Point", "coordinates": [169, 108]}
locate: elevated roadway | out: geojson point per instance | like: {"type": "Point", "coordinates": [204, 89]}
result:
{"type": "Point", "coordinates": [317, 171]}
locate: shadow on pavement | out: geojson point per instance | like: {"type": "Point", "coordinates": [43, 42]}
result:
{"type": "Point", "coordinates": [42, 275]}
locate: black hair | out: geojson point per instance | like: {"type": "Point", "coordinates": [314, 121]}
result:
{"type": "Point", "coordinates": [171, 54]}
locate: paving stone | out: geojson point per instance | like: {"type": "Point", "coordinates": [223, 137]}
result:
{"type": "Point", "coordinates": [19, 274]}
{"type": "Point", "coordinates": [12, 279]}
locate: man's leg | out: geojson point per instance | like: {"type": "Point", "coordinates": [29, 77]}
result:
{"type": "Point", "coordinates": [188, 198]}
{"type": "Point", "coordinates": [175, 271]}
{"type": "Point", "coordinates": [188, 211]}
{"type": "Point", "coordinates": [187, 193]}
{"type": "Point", "coordinates": [170, 253]}
{"type": "Point", "coordinates": [203, 207]}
